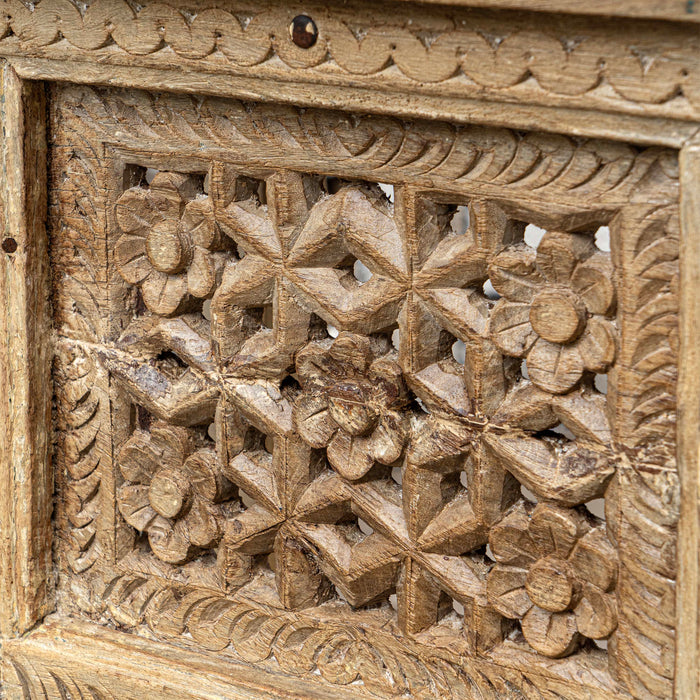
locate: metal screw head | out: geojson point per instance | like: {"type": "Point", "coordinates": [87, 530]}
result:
{"type": "Point", "coordinates": [303, 31]}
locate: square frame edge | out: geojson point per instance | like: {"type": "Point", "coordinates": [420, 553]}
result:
{"type": "Point", "coordinates": [26, 570]}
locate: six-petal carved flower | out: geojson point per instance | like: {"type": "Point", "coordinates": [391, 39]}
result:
{"type": "Point", "coordinates": [172, 491]}
{"type": "Point", "coordinates": [556, 572]}
{"type": "Point", "coordinates": [352, 403]}
{"type": "Point", "coordinates": [554, 308]}
{"type": "Point", "coordinates": [171, 245]}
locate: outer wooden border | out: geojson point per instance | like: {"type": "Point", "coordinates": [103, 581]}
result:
{"type": "Point", "coordinates": [65, 659]}
{"type": "Point", "coordinates": [688, 642]}
{"type": "Point", "coordinates": [677, 10]}
{"type": "Point", "coordinates": [654, 102]}
{"type": "Point", "coordinates": [112, 661]}
{"type": "Point", "coordinates": [25, 360]}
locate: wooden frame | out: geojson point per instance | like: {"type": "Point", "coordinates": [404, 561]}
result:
{"type": "Point", "coordinates": [60, 658]}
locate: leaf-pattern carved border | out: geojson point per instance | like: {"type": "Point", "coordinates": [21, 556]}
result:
{"type": "Point", "coordinates": [436, 53]}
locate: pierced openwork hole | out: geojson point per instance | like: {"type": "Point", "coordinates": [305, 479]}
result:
{"type": "Point", "coordinates": [170, 364]}
{"type": "Point", "coordinates": [489, 291]}
{"type": "Point", "coordinates": [459, 351]}
{"type": "Point", "coordinates": [365, 527]}
{"type": "Point", "coordinates": [361, 272]}
{"type": "Point", "coordinates": [600, 381]}
{"type": "Point", "coordinates": [596, 508]}
{"type": "Point", "coordinates": [333, 332]}
{"type": "Point", "coordinates": [459, 224]}
{"type": "Point", "coordinates": [561, 429]}
{"type": "Point", "coordinates": [602, 239]}
{"type": "Point", "coordinates": [388, 191]}
{"type": "Point", "coordinates": [534, 235]}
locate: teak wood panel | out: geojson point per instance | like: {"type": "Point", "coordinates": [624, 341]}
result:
{"type": "Point", "coordinates": [314, 440]}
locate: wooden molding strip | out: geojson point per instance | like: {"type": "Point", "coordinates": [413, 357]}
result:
{"type": "Point", "coordinates": [26, 487]}
{"type": "Point", "coordinates": [631, 79]}
{"type": "Point", "coordinates": [67, 659]}
{"type": "Point", "coordinates": [644, 130]}
{"type": "Point", "coordinates": [688, 645]}
{"type": "Point", "coordinates": [675, 10]}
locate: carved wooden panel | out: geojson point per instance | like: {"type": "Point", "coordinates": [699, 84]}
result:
{"type": "Point", "coordinates": [366, 402]}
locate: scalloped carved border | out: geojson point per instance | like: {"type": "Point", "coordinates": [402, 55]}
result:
{"type": "Point", "coordinates": [429, 51]}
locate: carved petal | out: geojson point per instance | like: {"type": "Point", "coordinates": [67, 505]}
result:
{"type": "Point", "coordinates": [350, 456]}
{"type": "Point", "coordinates": [139, 458]}
{"type": "Point", "coordinates": [198, 222]}
{"type": "Point", "coordinates": [510, 328]}
{"type": "Point", "coordinates": [314, 365]}
{"type": "Point", "coordinates": [597, 344]}
{"type": "Point", "coordinates": [169, 190]}
{"type": "Point", "coordinates": [593, 281]}
{"type": "Point", "coordinates": [174, 443]}
{"type": "Point", "coordinates": [387, 441]}
{"type": "Point", "coordinates": [202, 524]}
{"type": "Point", "coordinates": [514, 275]}
{"type": "Point", "coordinates": [594, 560]}
{"type": "Point", "coordinates": [558, 254]}
{"type": "Point", "coordinates": [352, 352]}
{"type": "Point", "coordinates": [201, 274]}
{"type": "Point", "coordinates": [553, 367]}
{"type": "Point", "coordinates": [135, 212]}
{"type": "Point", "coordinates": [313, 421]}
{"type": "Point", "coordinates": [555, 530]}
{"type": "Point", "coordinates": [131, 259]}
{"type": "Point", "coordinates": [163, 294]}
{"type": "Point", "coordinates": [596, 614]}
{"type": "Point", "coordinates": [505, 589]}
{"type": "Point", "coordinates": [550, 634]}
{"type": "Point", "coordinates": [388, 387]}
{"type": "Point", "coordinates": [135, 506]}
{"type": "Point", "coordinates": [170, 543]}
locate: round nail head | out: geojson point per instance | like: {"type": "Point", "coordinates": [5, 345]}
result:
{"type": "Point", "coordinates": [303, 31]}
{"type": "Point", "coordinates": [9, 245]}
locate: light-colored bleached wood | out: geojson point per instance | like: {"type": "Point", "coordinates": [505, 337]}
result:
{"type": "Point", "coordinates": [278, 463]}
{"type": "Point", "coordinates": [26, 577]}
{"type": "Point", "coordinates": [546, 69]}
{"type": "Point", "coordinates": [72, 659]}
{"type": "Point", "coordinates": [688, 673]}
{"type": "Point", "coordinates": [677, 10]}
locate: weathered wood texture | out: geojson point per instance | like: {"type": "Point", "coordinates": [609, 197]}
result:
{"type": "Point", "coordinates": [351, 403]}
{"type": "Point", "coordinates": [523, 70]}
{"type": "Point", "coordinates": [74, 660]}
{"type": "Point", "coordinates": [287, 434]}
{"type": "Point", "coordinates": [688, 682]}
{"type": "Point", "coordinates": [25, 360]}
{"type": "Point", "coordinates": [678, 10]}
